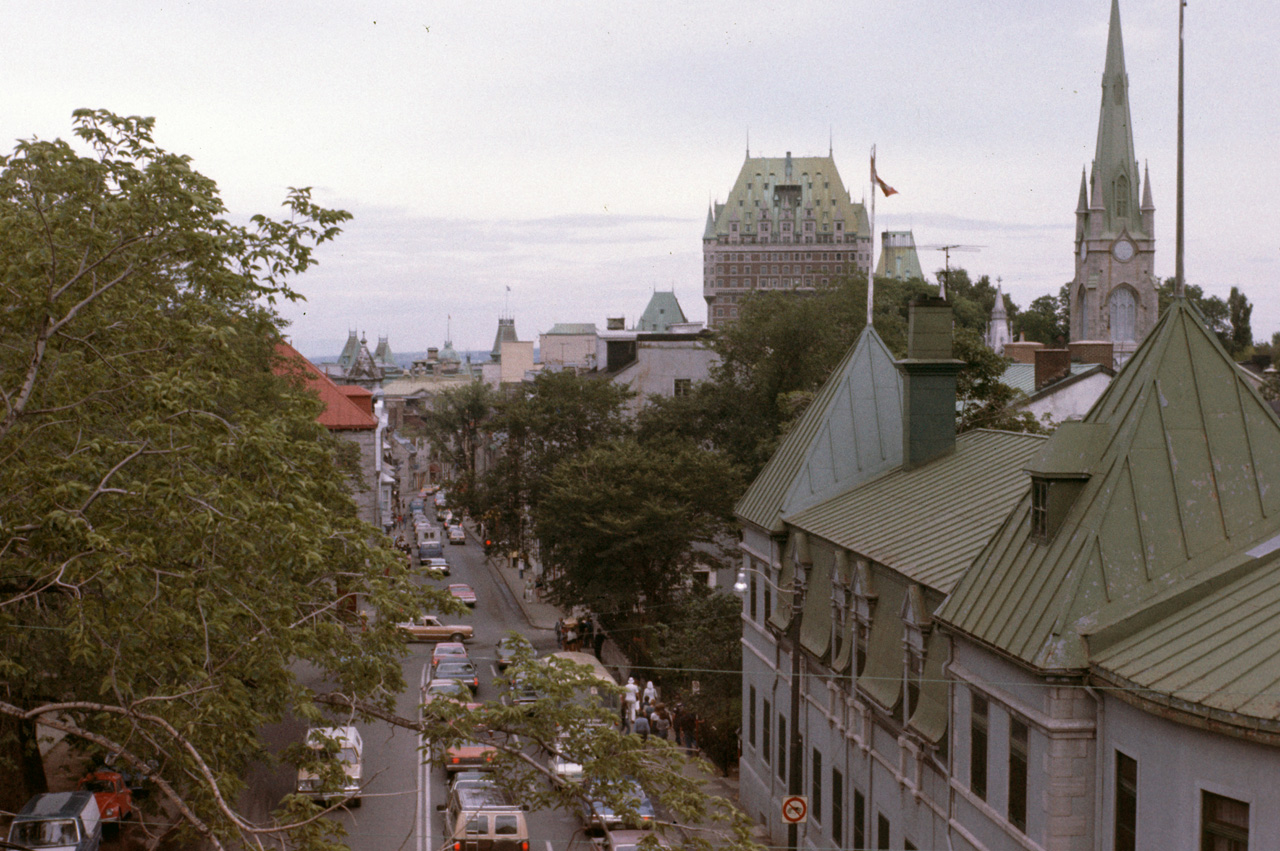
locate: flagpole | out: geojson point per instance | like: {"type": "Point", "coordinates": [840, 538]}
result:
{"type": "Point", "coordinates": [871, 264]}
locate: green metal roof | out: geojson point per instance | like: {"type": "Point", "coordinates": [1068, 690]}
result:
{"type": "Point", "coordinates": [662, 311]}
{"type": "Point", "coordinates": [1183, 459]}
{"type": "Point", "coordinates": [851, 431]}
{"type": "Point", "coordinates": [929, 523]}
{"type": "Point", "coordinates": [783, 189]}
{"type": "Point", "coordinates": [572, 329]}
{"type": "Point", "coordinates": [1022, 376]}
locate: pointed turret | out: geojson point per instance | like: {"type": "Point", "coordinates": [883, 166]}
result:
{"type": "Point", "coordinates": [1082, 206]}
{"type": "Point", "coordinates": [1115, 166]}
{"type": "Point", "coordinates": [709, 232]}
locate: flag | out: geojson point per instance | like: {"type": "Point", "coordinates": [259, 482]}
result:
{"type": "Point", "coordinates": [875, 178]}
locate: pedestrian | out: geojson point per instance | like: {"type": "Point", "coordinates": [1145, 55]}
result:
{"type": "Point", "coordinates": [650, 692]}
{"type": "Point", "coordinates": [528, 591]}
{"type": "Point", "coordinates": [599, 643]}
{"type": "Point", "coordinates": [642, 728]}
{"type": "Point", "coordinates": [571, 638]}
{"type": "Point", "coordinates": [559, 635]}
{"type": "Point", "coordinates": [632, 693]}
{"type": "Point", "coordinates": [660, 722]}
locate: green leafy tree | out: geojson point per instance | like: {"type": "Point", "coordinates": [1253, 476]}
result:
{"type": "Point", "coordinates": [1239, 312]}
{"type": "Point", "coordinates": [697, 642]}
{"type": "Point", "coordinates": [174, 531]}
{"type": "Point", "coordinates": [985, 401]}
{"type": "Point", "coordinates": [1047, 320]}
{"type": "Point", "coordinates": [623, 525]}
{"type": "Point", "coordinates": [455, 427]}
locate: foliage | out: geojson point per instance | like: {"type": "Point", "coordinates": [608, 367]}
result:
{"type": "Point", "coordinates": [985, 401]}
{"type": "Point", "coordinates": [174, 532]}
{"type": "Point", "coordinates": [1047, 320]}
{"type": "Point", "coordinates": [1239, 311]}
{"type": "Point", "coordinates": [455, 426]}
{"type": "Point", "coordinates": [559, 415]}
{"type": "Point", "coordinates": [698, 640]}
{"type": "Point", "coordinates": [1230, 322]}
{"type": "Point", "coordinates": [623, 524]}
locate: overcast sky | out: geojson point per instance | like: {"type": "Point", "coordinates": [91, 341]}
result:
{"type": "Point", "coordinates": [569, 150]}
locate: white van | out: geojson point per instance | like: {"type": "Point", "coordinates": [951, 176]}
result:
{"type": "Point", "coordinates": [344, 745]}
{"type": "Point", "coordinates": [58, 821]}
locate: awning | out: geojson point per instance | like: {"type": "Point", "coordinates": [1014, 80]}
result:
{"type": "Point", "coordinates": [815, 629]}
{"type": "Point", "coordinates": [882, 679]}
{"type": "Point", "coordinates": [930, 718]}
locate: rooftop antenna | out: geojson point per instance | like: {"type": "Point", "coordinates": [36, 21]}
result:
{"type": "Point", "coordinates": [1178, 281]}
{"type": "Point", "coordinates": [831, 143]}
{"type": "Point", "coordinates": [506, 305]}
{"type": "Point", "coordinates": [448, 329]}
{"type": "Point", "coordinates": [946, 253]}
{"type": "Point", "coordinates": [748, 143]}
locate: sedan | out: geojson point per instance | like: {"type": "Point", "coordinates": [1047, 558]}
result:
{"type": "Point", "coordinates": [457, 535]}
{"type": "Point", "coordinates": [457, 669]}
{"type": "Point", "coordinates": [429, 628]}
{"type": "Point", "coordinates": [436, 564]}
{"type": "Point", "coordinates": [463, 593]}
{"type": "Point", "coordinates": [507, 649]}
{"type": "Point", "coordinates": [450, 650]}
{"type": "Point", "coordinates": [448, 689]}
{"type": "Point", "coordinates": [601, 814]}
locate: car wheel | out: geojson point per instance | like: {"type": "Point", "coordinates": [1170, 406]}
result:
{"type": "Point", "coordinates": [456, 637]}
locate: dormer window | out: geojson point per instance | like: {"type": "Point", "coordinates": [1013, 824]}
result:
{"type": "Point", "coordinates": [915, 622]}
{"type": "Point", "coordinates": [864, 600]}
{"type": "Point", "coordinates": [1040, 509]}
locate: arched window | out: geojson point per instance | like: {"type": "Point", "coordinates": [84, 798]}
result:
{"type": "Point", "coordinates": [1124, 311]}
{"type": "Point", "coordinates": [1082, 309]}
{"type": "Point", "coordinates": [1122, 197]}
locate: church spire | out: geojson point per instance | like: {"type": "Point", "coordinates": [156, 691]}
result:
{"type": "Point", "coordinates": [1115, 166]}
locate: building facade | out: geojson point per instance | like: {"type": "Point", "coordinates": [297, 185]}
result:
{"type": "Point", "coordinates": [788, 224]}
{"type": "Point", "coordinates": [1113, 293]}
{"type": "Point", "coordinates": [898, 256]}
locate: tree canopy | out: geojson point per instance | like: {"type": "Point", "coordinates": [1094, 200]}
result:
{"type": "Point", "coordinates": [175, 531]}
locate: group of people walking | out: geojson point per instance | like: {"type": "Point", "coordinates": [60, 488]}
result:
{"type": "Point", "coordinates": [645, 715]}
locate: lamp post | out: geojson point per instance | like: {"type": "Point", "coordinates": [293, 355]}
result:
{"type": "Point", "coordinates": [795, 761]}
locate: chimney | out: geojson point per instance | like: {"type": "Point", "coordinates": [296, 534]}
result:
{"type": "Point", "coordinates": [928, 384]}
{"type": "Point", "coordinates": [1092, 351]}
{"type": "Point", "coordinates": [615, 323]}
{"type": "Point", "coordinates": [1022, 351]}
{"type": "Point", "coordinates": [1051, 365]}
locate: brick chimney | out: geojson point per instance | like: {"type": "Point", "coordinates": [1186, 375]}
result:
{"type": "Point", "coordinates": [1022, 351]}
{"type": "Point", "coordinates": [928, 384]}
{"type": "Point", "coordinates": [1093, 351]}
{"type": "Point", "coordinates": [1051, 365]}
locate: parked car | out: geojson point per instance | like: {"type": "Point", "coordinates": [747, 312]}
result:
{"type": "Point", "coordinates": [455, 690]}
{"type": "Point", "coordinates": [343, 745]}
{"type": "Point", "coordinates": [457, 669]}
{"type": "Point", "coordinates": [630, 840]}
{"type": "Point", "coordinates": [436, 563]}
{"type": "Point", "coordinates": [469, 756]}
{"type": "Point", "coordinates": [450, 650]}
{"type": "Point", "coordinates": [506, 649]}
{"type": "Point", "coordinates": [561, 764]}
{"type": "Point", "coordinates": [600, 814]}
{"type": "Point", "coordinates": [67, 821]}
{"type": "Point", "coordinates": [520, 693]}
{"type": "Point", "coordinates": [114, 797]}
{"type": "Point", "coordinates": [457, 535]}
{"type": "Point", "coordinates": [462, 592]}
{"type": "Point", "coordinates": [429, 628]}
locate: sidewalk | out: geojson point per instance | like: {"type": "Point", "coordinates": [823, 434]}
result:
{"type": "Point", "coordinates": [541, 615]}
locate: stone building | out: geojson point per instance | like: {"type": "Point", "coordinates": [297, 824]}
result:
{"type": "Point", "coordinates": [1113, 293]}
{"type": "Point", "coordinates": [788, 224]}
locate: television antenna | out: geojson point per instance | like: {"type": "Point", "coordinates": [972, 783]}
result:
{"type": "Point", "coordinates": [946, 252]}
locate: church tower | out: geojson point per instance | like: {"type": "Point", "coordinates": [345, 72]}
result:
{"type": "Point", "coordinates": [1113, 294]}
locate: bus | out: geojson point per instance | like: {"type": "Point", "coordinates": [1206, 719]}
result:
{"type": "Point", "coordinates": [609, 697]}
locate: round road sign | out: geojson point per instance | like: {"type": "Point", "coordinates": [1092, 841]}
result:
{"type": "Point", "coordinates": [795, 809]}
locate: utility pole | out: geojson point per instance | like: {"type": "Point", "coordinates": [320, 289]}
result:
{"type": "Point", "coordinates": [795, 769]}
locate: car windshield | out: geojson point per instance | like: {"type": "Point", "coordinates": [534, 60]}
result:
{"type": "Point", "coordinates": [97, 786]}
{"type": "Point", "coordinates": [45, 834]}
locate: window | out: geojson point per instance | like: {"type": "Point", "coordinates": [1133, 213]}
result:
{"type": "Point", "coordinates": [862, 604]}
{"type": "Point", "coordinates": [683, 387]}
{"type": "Point", "coordinates": [882, 832]}
{"type": "Point", "coordinates": [1018, 774]}
{"type": "Point", "coordinates": [751, 716]}
{"type": "Point", "coordinates": [766, 738]}
{"type": "Point", "coordinates": [837, 807]}
{"type": "Point", "coordinates": [753, 597]}
{"type": "Point", "coordinates": [1224, 823]}
{"type": "Point", "coordinates": [1122, 196]}
{"type": "Point", "coordinates": [978, 747]}
{"type": "Point", "coordinates": [782, 748]}
{"type": "Point", "coordinates": [859, 820]}
{"type": "Point", "coordinates": [1123, 314]}
{"type": "Point", "coordinates": [1039, 509]}
{"type": "Point", "coordinates": [815, 786]}
{"type": "Point", "coordinates": [1126, 803]}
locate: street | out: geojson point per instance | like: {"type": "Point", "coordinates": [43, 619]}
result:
{"type": "Point", "coordinates": [391, 812]}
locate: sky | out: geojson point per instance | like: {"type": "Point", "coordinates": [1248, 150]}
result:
{"type": "Point", "coordinates": [555, 161]}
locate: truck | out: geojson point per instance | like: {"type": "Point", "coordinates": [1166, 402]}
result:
{"type": "Point", "coordinates": [58, 821]}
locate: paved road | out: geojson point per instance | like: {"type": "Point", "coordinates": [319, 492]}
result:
{"type": "Point", "coordinates": [392, 815]}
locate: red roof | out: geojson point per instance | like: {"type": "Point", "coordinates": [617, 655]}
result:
{"type": "Point", "coordinates": [360, 396]}
{"type": "Point", "coordinates": [340, 412]}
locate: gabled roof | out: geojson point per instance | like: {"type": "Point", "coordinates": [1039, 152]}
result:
{"type": "Point", "coordinates": [929, 523]}
{"type": "Point", "coordinates": [340, 413]}
{"type": "Point", "coordinates": [350, 351]}
{"type": "Point", "coordinates": [573, 329]}
{"type": "Point", "coordinates": [663, 310]}
{"type": "Point", "coordinates": [851, 431]}
{"type": "Point", "coordinates": [1182, 459]}
{"type": "Point", "coordinates": [1022, 376]}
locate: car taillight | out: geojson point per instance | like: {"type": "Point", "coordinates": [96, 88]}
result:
{"type": "Point", "coordinates": [454, 760]}
{"type": "Point", "coordinates": [457, 846]}
{"type": "Point", "coordinates": [524, 846]}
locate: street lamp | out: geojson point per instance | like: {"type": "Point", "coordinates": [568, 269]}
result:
{"type": "Point", "coordinates": [795, 766]}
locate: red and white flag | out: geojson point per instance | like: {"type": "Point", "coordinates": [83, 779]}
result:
{"type": "Point", "coordinates": [875, 179]}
